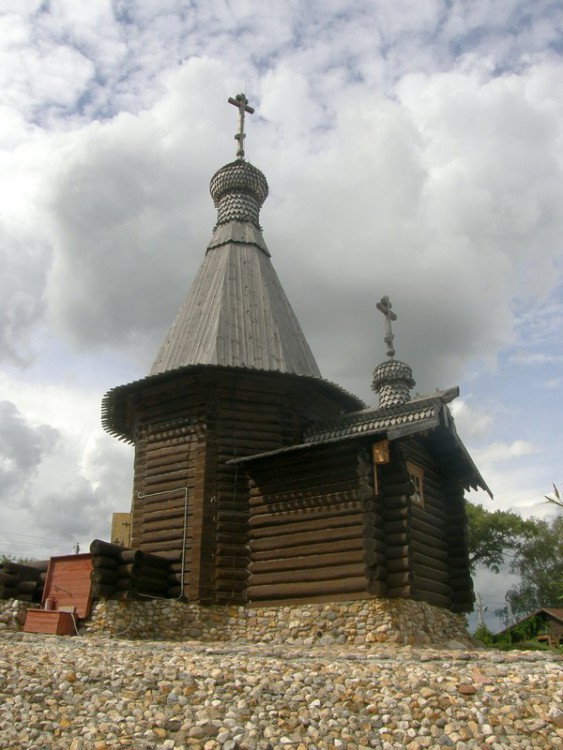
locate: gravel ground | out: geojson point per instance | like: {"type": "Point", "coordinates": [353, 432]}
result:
{"type": "Point", "coordinates": [98, 694]}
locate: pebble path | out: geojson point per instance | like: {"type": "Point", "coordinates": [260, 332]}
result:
{"type": "Point", "coordinates": [104, 694]}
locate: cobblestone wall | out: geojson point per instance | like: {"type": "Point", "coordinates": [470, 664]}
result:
{"type": "Point", "coordinates": [396, 621]}
{"type": "Point", "coordinates": [12, 613]}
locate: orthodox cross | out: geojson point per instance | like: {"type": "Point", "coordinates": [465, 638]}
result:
{"type": "Point", "coordinates": [241, 102]}
{"type": "Point", "coordinates": [384, 305]}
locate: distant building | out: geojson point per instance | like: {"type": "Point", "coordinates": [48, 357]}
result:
{"type": "Point", "coordinates": [268, 483]}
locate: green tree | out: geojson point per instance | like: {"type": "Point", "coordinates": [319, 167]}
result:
{"type": "Point", "coordinates": [539, 563]}
{"type": "Point", "coordinates": [494, 535]}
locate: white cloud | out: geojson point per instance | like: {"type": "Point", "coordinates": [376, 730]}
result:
{"type": "Point", "coordinates": [412, 149]}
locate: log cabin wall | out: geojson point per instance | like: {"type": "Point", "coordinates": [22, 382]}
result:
{"type": "Point", "coordinates": [435, 527]}
{"type": "Point", "coordinates": [312, 525]}
{"type": "Point", "coordinates": [186, 430]}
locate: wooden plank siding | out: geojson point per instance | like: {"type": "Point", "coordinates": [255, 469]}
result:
{"type": "Point", "coordinates": [186, 431]}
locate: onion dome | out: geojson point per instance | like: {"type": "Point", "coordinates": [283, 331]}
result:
{"type": "Point", "coordinates": [392, 381]}
{"type": "Point", "coordinates": [238, 190]}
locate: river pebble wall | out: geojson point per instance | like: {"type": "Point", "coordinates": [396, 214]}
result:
{"type": "Point", "coordinates": [103, 693]}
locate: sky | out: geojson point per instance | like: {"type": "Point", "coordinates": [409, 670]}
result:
{"type": "Point", "coordinates": [413, 148]}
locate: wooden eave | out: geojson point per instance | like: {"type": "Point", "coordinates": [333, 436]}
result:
{"type": "Point", "coordinates": [119, 405]}
{"type": "Point", "coordinates": [426, 415]}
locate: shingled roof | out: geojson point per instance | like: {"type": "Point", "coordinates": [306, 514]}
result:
{"type": "Point", "coordinates": [236, 313]}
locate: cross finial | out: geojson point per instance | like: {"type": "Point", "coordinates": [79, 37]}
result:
{"type": "Point", "coordinates": [241, 102]}
{"type": "Point", "coordinates": [384, 305]}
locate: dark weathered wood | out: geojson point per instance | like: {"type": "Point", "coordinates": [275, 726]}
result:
{"type": "Point", "coordinates": [308, 537]}
{"type": "Point", "coordinates": [107, 549]}
{"type": "Point", "coordinates": [8, 579]}
{"type": "Point", "coordinates": [428, 584]}
{"type": "Point", "coordinates": [26, 587]}
{"type": "Point", "coordinates": [312, 524]}
{"type": "Point", "coordinates": [308, 574]}
{"type": "Point", "coordinates": [24, 572]}
{"type": "Point", "coordinates": [103, 575]}
{"type": "Point", "coordinates": [102, 561]}
{"type": "Point", "coordinates": [395, 580]}
{"type": "Point", "coordinates": [308, 588]}
{"type": "Point", "coordinates": [102, 591]}
{"type": "Point", "coordinates": [398, 592]}
{"type": "Point", "coordinates": [307, 561]}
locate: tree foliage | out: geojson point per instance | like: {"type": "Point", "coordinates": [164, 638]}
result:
{"type": "Point", "coordinates": [492, 536]}
{"type": "Point", "coordinates": [539, 564]}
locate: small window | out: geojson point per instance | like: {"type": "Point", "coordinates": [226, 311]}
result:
{"type": "Point", "coordinates": [416, 475]}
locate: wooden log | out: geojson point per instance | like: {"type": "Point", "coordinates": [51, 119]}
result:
{"type": "Point", "coordinates": [321, 547]}
{"type": "Point", "coordinates": [8, 579]}
{"type": "Point", "coordinates": [431, 532]}
{"type": "Point", "coordinates": [374, 558]}
{"type": "Point", "coordinates": [378, 588]}
{"type": "Point", "coordinates": [25, 572]}
{"type": "Point", "coordinates": [398, 552]}
{"type": "Point", "coordinates": [333, 511]}
{"type": "Point", "coordinates": [124, 584]}
{"type": "Point", "coordinates": [307, 588]}
{"type": "Point", "coordinates": [398, 592]}
{"type": "Point", "coordinates": [130, 556]}
{"type": "Point", "coordinates": [41, 565]}
{"type": "Point", "coordinates": [397, 564]}
{"type": "Point", "coordinates": [127, 571]}
{"type": "Point", "coordinates": [313, 524]}
{"type": "Point", "coordinates": [103, 575]}
{"type": "Point", "coordinates": [309, 574]}
{"type": "Point", "coordinates": [395, 514]}
{"type": "Point", "coordinates": [25, 587]}
{"type": "Point", "coordinates": [397, 489]}
{"type": "Point", "coordinates": [149, 560]}
{"type": "Point", "coordinates": [7, 592]}
{"type": "Point", "coordinates": [425, 547]}
{"type": "Point", "coordinates": [107, 549]}
{"type": "Point", "coordinates": [102, 591]}
{"type": "Point", "coordinates": [234, 586]}
{"type": "Point", "coordinates": [397, 580]}
{"type": "Point", "coordinates": [144, 581]}
{"type": "Point", "coordinates": [428, 584]}
{"type": "Point", "coordinates": [24, 597]}
{"type": "Point", "coordinates": [432, 574]}
{"type": "Point", "coordinates": [225, 561]}
{"type": "Point", "coordinates": [394, 529]}
{"type": "Point", "coordinates": [435, 599]}
{"type": "Point", "coordinates": [308, 537]}
{"type": "Point", "coordinates": [235, 574]}
{"type": "Point", "coordinates": [396, 540]}
{"type": "Point", "coordinates": [102, 561]}
{"type": "Point", "coordinates": [308, 561]}
{"type": "Point", "coordinates": [174, 592]}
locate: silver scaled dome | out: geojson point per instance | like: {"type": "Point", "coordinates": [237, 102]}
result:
{"type": "Point", "coordinates": [392, 381]}
{"type": "Point", "coordinates": [238, 190]}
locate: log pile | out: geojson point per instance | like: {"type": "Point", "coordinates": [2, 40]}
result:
{"type": "Point", "coordinates": [121, 573]}
{"type": "Point", "coordinates": [23, 582]}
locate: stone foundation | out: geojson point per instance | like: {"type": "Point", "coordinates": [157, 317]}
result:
{"type": "Point", "coordinates": [12, 613]}
{"type": "Point", "coordinates": [368, 621]}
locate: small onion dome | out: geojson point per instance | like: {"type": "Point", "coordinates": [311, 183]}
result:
{"type": "Point", "coordinates": [238, 190]}
{"type": "Point", "coordinates": [392, 381]}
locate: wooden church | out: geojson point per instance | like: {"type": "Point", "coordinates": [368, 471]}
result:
{"type": "Point", "coordinates": [263, 481]}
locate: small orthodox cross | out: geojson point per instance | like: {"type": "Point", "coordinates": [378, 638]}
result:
{"type": "Point", "coordinates": [241, 102]}
{"type": "Point", "coordinates": [384, 305]}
